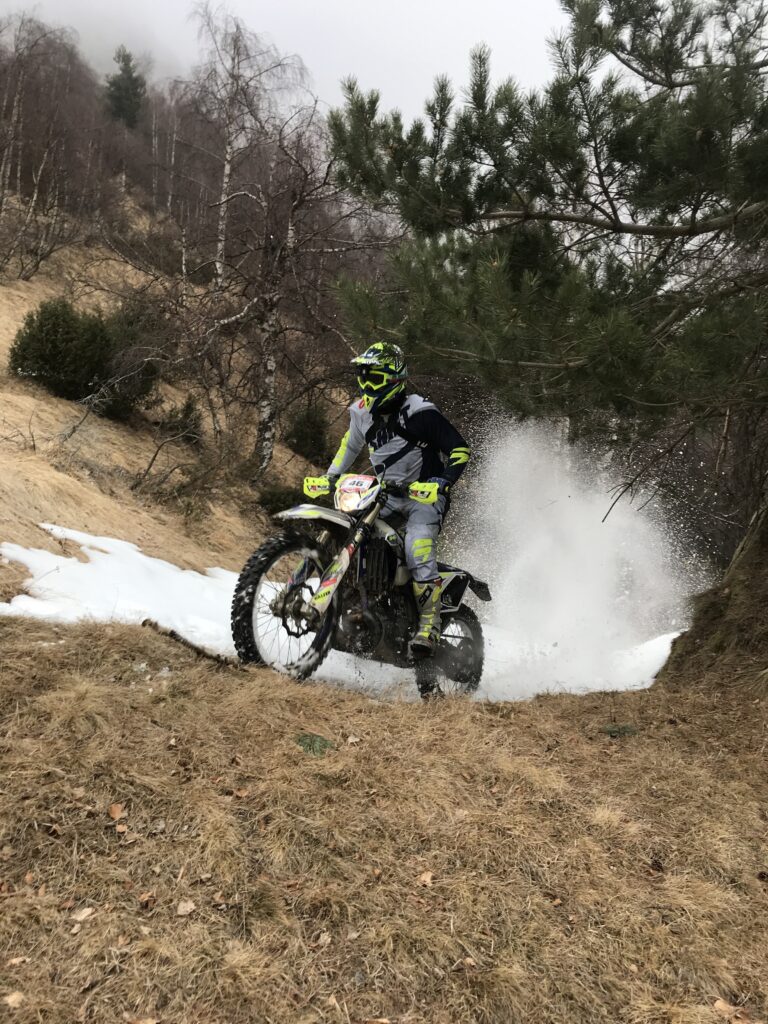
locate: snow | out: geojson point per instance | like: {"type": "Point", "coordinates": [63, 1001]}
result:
{"type": "Point", "coordinates": [117, 582]}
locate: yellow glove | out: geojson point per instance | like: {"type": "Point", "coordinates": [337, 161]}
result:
{"type": "Point", "coordinates": [426, 493]}
{"type": "Point", "coordinates": [316, 486]}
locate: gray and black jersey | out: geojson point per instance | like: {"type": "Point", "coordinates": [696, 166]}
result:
{"type": "Point", "coordinates": [413, 442]}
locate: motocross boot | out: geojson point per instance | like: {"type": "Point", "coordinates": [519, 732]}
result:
{"type": "Point", "coordinates": [428, 595]}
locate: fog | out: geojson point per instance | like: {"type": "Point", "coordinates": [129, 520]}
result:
{"type": "Point", "coordinates": [397, 47]}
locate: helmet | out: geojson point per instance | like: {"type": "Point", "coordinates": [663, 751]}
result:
{"type": "Point", "coordinates": [381, 375]}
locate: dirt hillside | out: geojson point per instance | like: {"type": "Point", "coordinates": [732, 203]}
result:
{"type": "Point", "coordinates": [727, 644]}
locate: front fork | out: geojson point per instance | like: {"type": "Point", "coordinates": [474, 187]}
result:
{"type": "Point", "coordinates": [336, 571]}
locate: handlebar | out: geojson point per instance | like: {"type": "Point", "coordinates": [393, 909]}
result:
{"type": "Point", "coordinates": [394, 489]}
{"type": "Point", "coordinates": [425, 492]}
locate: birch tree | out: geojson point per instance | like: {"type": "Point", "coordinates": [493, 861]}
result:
{"type": "Point", "coordinates": [257, 206]}
{"type": "Point", "coordinates": [50, 130]}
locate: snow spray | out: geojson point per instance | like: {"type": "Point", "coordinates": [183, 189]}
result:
{"type": "Point", "coordinates": [580, 601]}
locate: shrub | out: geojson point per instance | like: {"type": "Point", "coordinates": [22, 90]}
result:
{"type": "Point", "coordinates": [136, 331]}
{"type": "Point", "coordinates": [276, 497]}
{"type": "Point", "coordinates": [184, 422]}
{"type": "Point", "coordinates": [82, 356]}
{"type": "Point", "coordinates": [308, 434]}
{"type": "Point", "coordinates": [66, 351]}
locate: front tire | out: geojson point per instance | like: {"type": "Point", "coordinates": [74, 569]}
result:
{"type": "Point", "coordinates": [261, 633]}
{"type": "Point", "coordinates": [457, 665]}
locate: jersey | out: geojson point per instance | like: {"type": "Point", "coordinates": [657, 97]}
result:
{"type": "Point", "coordinates": [413, 442]}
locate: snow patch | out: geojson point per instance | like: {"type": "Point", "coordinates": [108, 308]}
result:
{"type": "Point", "coordinates": [117, 582]}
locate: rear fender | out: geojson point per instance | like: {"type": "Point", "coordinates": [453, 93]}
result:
{"type": "Point", "coordinates": [455, 583]}
{"type": "Point", "coordinates": [454, 587]}
{"type": "Point", "coordinates": [480, 589]}
{"type": "Point", "coordinates": [317, 512]}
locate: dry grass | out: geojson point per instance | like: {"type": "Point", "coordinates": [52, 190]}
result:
{"type": "Point", "coordinates": [456, 863]}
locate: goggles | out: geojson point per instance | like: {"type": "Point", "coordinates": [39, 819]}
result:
{"type": "Point", "coordinates": [371, 379]}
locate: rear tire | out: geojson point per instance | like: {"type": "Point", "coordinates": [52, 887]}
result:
{"type": "Point", "coordinates": [460, 628]}
{"type": "Point", "coordinates": [245, 615]}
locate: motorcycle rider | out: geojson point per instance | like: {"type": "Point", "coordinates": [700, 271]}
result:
{"type": "Point", "coordinates": [410, 444]}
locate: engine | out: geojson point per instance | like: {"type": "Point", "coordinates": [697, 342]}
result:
{"type": "Point", "coordinates": [384, 623]}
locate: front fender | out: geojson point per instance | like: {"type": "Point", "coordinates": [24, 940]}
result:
{"type": "Point", "coordinates": [330, 515]}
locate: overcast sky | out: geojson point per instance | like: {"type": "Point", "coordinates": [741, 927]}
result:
{"type": "Point", "coordinates": [396, 46]}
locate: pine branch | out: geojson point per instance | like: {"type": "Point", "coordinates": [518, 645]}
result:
{"type": "Point", "coordinates": [464, 355]}
{"type": "Point", "coordinates": [680, 83]}
{"type": "Point", "coordinates": [688, 229]}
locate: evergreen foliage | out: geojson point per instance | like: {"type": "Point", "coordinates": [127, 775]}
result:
{"type": "Point", "coordinates": [126, 89]}
{"type": "Point", "coordinates": [84, 357]}
{"type": "Point", "coordinates": [598, 248]}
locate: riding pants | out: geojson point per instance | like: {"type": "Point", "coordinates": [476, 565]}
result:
{"type": "Point", "coordinates": [422, 526]}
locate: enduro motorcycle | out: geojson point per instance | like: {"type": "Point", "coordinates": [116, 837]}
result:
{"type": "Point", "coordinates": [336, 579]}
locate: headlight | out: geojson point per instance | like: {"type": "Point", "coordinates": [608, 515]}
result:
{"type": "Point", "coordinates": [347, 501]}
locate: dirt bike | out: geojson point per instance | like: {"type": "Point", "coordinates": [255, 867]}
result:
{"type": "Point", "coordinates": [336, 579]}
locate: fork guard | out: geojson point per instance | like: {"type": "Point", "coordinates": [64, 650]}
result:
{"type": "Point", "coordinates": [330, 515]}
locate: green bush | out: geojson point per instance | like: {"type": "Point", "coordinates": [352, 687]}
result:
{"type": "Point", "coordinates": [82, 356]}
{"type": "Point", "coordinates": [64, 350]}
{"type": "Point", "coordinates": [136, 331]}
{"type": "Point", "coordinates": [308, 434]}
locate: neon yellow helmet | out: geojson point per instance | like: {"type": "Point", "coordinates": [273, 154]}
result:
{"type": "Point", "coordinates": [381, 375]}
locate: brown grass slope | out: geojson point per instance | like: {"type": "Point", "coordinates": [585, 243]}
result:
{"type": "Point", "coordinates": [727, 644]}
{"type": "Point", "coordinates": [170, 852]}
{"type": "Point", "coordinates": [83, 478]}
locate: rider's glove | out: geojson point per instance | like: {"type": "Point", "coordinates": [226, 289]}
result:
{"type": "Point", "coordinates": [316, 486]}
{"type": "Point", "coordinates": [427, 492]}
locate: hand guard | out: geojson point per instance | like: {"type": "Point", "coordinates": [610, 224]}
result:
{"type": "Point", "coordinates": [317, 486]}
{"type": "Point", "coordinates": [443, 485]}
{"type": "Point", "coordinates": [427, 492]}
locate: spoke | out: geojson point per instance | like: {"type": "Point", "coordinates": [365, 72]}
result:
{"type": "Point", "coordinates": [275, 640]}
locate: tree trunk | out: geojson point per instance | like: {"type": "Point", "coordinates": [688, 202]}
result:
{"type": "Point", "coordinates": [267, 406]}
{"type": "Point", "coordinates": [728, 639]}
{"type": "Point", "coordinates": [124, 172]}
{"type": "Point", "coordinates": [221, 233]}
{"type": "Point", "coordinates": [10, 144]}
{"type": "Point", "coordinates": [154, 160]}
{"type": "Point", "coordinates": [171, 166]}
{"type": "Point", "coordinates": [31, 211]}
{"type": "Point", "coordinates": [265, 445]}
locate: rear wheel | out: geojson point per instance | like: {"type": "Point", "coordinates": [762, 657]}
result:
{"type": "Point", "coordinates": [267, 625]}
{"type": "Point", "coordinates": [457, 665]}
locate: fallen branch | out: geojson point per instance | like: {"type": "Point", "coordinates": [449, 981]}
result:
{"type": "Point", "coordinates": [201, 651]}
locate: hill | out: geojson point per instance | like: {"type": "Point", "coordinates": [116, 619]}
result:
{"type": "Point", "coordinates": [54, 463]}
{"type": "Point", "coordinates": [192, 842]}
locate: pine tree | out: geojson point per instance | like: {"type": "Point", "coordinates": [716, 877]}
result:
{"type": "Point", "coordinates": [126, 89]}
{"type": "Point", "coordinates": [598, 249]}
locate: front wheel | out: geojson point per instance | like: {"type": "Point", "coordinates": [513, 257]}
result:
{"type": "Point", "coordinates": [457, 665]}
{"type": "Point", "coordinates": [267, 625]}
